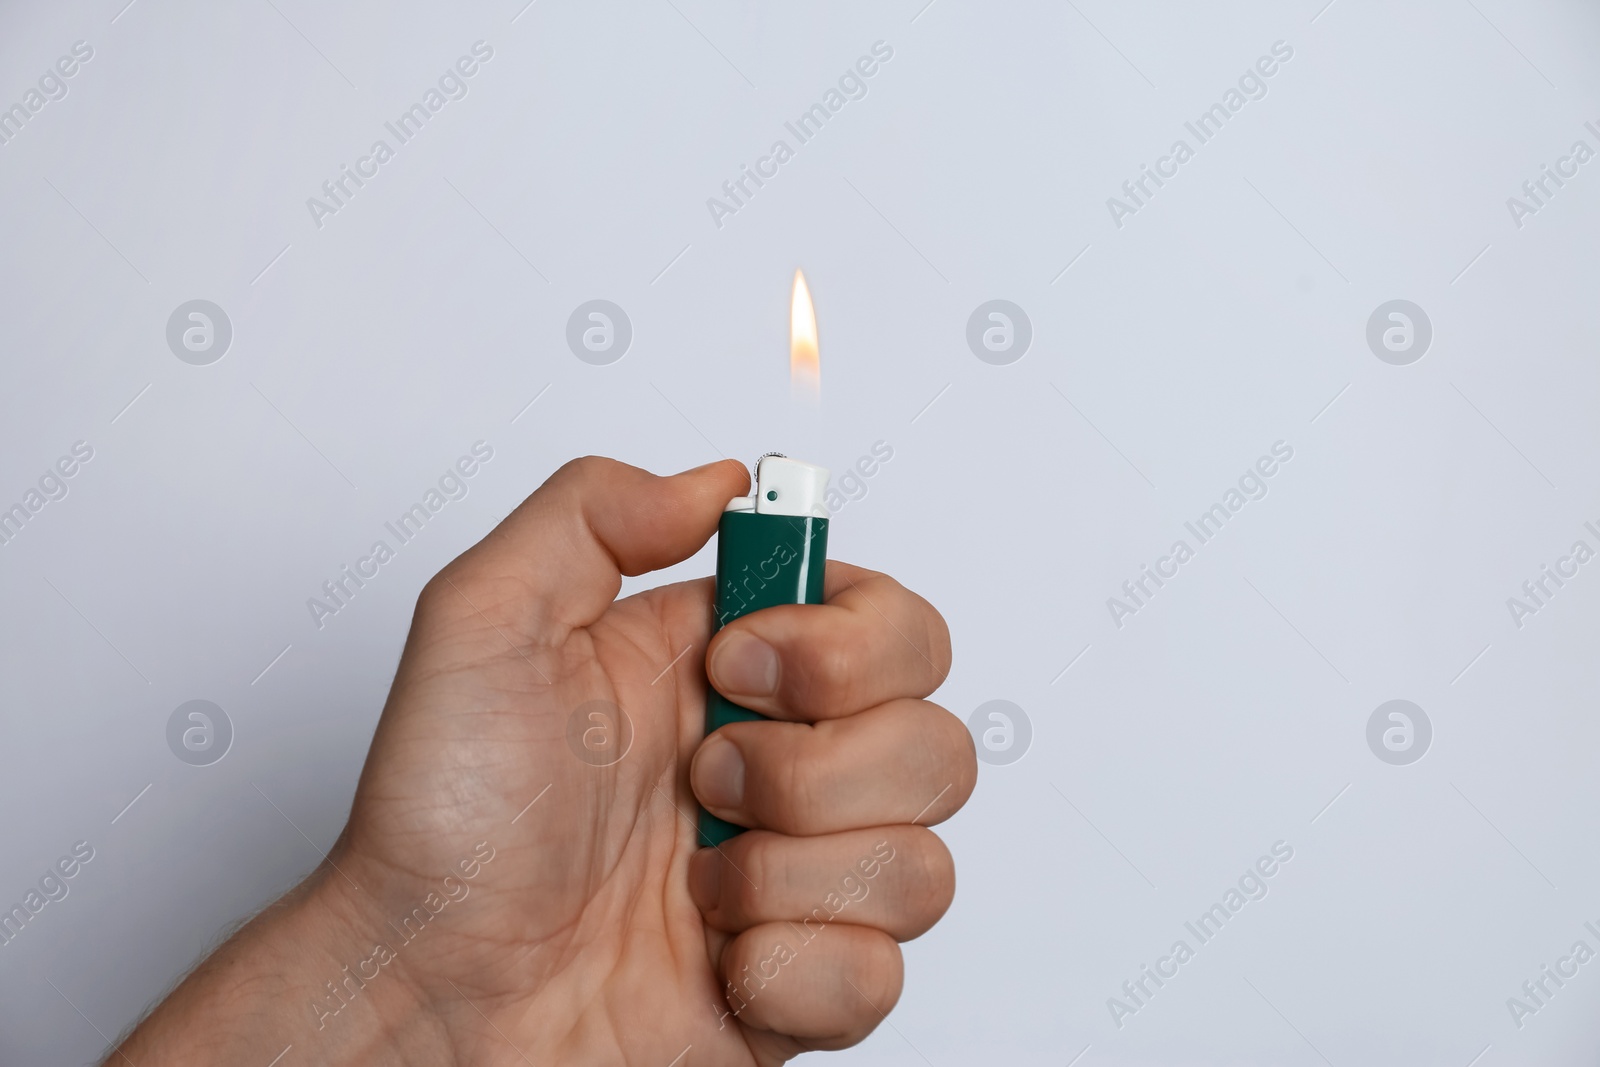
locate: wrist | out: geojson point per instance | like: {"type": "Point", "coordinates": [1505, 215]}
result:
{"type": "Point", "coordinates": [356, 977]}
{"type": "Point", "coordinates": [304, 973]}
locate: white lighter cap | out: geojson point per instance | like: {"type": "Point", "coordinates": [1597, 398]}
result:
{"type": "Point", "coordinates": [785, 486]}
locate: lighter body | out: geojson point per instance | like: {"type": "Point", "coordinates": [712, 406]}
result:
{"type": "Point", "coordinates": [772, 548]}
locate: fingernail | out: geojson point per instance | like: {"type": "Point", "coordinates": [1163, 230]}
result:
{"type": "Point", "coordinates": [719, 774]}
{"type": "Point", "coordinates": [744, 665]}
{"type": "Point", "coordinates": [705, 879]}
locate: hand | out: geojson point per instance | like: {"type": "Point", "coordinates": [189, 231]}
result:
{"type": "Point", "coordinates": [495, 898]}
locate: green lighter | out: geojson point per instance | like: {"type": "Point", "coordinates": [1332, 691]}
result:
{"type": "Point", "coordinates": [772, 547]}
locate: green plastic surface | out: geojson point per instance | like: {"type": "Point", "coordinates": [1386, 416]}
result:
{"type": "Point", "coordinates": [762, 561]}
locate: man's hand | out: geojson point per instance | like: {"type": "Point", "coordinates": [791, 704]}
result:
{"type": "Point", "coordinates": [513, 887]}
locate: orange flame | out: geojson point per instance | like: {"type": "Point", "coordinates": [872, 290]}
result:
{"type": "Point", "coordinates": [805, 366]}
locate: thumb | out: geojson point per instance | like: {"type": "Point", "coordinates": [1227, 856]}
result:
{"type": "Point", "coordinates": [558, 559]}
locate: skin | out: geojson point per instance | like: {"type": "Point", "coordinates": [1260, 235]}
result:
{"type": "Point", "coordinates": [588, 928]}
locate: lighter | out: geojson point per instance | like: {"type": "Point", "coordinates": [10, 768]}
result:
{"type": "Point", "coordinates": [771, 549]}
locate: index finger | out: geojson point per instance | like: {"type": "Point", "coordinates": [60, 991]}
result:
{"type": "Point", "coordinates": [873, 641]}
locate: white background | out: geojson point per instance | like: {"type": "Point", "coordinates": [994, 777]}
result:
{"type": "Point", "coordinates": [1226, 315]}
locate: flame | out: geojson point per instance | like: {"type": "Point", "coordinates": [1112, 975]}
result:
{"type": "Point", "coordinates": [805, 367]}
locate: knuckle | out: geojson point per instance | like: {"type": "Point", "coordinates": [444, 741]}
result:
{"type": "Point", "coordinates": [740, 952]}
{"type": "Point", "coordinates": [878, 969]}
{"type": "Point", "coordinates": [929, 879]}
{"type": "Point", "coordinates": [585, 468]}
{"type": "Point", "coordinates": [914, 615]}
{"type": "Point", "coordinates": [464, 585]}
{"type": "Point", "coordinates": [966, 764]}
{"type": "Point", "coordinates": [799, 783]}
{"type": "Point", "coordinates": [435, 593]}
{"type": "Point", "coordinates": [880, 590]}
{"type": "Point", "coordinates": [885, 587]}
{"type": "Point", "coordinates": [577, 478]}
{"type": "Point", "coordinates": [933, 650]}
{"type": "Point", "coordinates": [824, 675]}
{"type": "Point", "coordinates": [957, 754]}
{"type": "Point", "coordinates": [759, 865]}
{"type": "Point", "coordinates": [938, 631]}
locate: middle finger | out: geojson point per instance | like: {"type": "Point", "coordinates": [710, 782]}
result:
{"type": "Point", "coordinates": [904, 761]}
